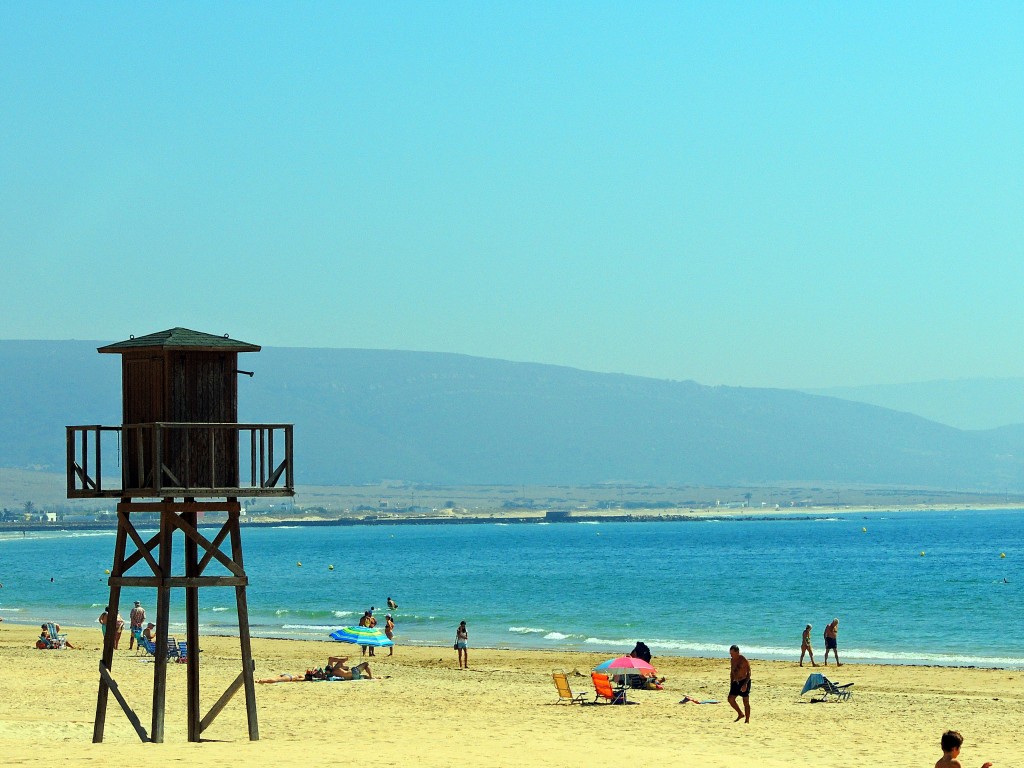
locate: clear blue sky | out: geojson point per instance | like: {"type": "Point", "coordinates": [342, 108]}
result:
{"type": "Point", "coordinates": [760, 194]}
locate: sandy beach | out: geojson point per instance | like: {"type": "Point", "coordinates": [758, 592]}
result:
{"type": "Point", "coordinates": [424, 711]}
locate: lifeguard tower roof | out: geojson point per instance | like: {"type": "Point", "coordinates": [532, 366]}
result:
{"type": "Point", "coordinates": [181, 338]}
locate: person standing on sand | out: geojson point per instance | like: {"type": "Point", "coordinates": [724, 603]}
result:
{"type": "Point", "coordinates": [389, 630]}
{"type": "Point", "coordinates": [136, 620]}
{"type": "Point", "coordinates": [104, 620]}
{"type": "Point", "coordinates": [805, 646]}
{"type": "Point", "coordinates": [831, 640]}
{"type": "Point", "coordinates": [368, 622]}
{"type": "Point", "coordinates": [739, 684]}
{"type": "Point", "coordinates": [118, 628]}
{"type": "Point", "coordinates": [462, 645]}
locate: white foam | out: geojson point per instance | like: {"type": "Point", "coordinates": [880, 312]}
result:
{"type": "Point", "coordinates": [526, 630]}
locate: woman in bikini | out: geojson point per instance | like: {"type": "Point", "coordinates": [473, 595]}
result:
{"type": "Point", "coordinates": [805, 646]}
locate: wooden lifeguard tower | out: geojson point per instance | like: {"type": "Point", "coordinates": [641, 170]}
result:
{"type": "Point", "coordinates": [179, 442]}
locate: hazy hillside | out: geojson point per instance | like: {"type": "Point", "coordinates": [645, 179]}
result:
{"type": "Point", "coordinates": [966, 403]}
{"type": "Point", "coordinates": [365, 415]}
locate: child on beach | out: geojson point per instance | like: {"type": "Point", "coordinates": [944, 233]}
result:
{"type": "Point", "coordinates": [951, 742]}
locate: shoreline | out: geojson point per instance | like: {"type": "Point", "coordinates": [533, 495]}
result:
{"type": "Point", "coordinates": [539, 518]}
{"type": "Point", "coordinates": [502, 711]}
{"type": "Point", "coordinates": [768, 658]}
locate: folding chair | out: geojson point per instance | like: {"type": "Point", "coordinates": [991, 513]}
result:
{"type": "Point", "coordinates": [564, 690]}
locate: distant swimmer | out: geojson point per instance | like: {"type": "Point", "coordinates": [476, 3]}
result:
{"type": "Point", "coordinates": [392, 604]}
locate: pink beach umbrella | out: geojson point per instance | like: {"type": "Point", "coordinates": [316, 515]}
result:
{"type": "Point", "coordinates": [626, 665]}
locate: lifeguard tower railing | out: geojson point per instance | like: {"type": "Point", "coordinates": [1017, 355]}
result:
{"type": "Point", "coordinates": [178, 459]}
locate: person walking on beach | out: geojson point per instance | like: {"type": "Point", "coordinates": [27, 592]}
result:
{"type": "Point", "coordinates": [136, 620]}
{"type": "Point", "coordinates": [831, 640]}
{"type": "Point", "coordinates": [805, 646]}
{"type": "Point", "coordinates": [462, 645]}
{"type": "Point", "coordinates": [951, 743]}
{"type": "Point", "coordinates": [389, 630]}
{"type": "Point", "coordinates": [739, 684]}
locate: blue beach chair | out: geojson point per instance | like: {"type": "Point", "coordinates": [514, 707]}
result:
{"type": "Point", "coordinates": [818, 683]}
{"type": "Point", "coordinates": [57, 639]}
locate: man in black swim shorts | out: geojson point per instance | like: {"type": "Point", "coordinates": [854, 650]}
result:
{"type": "Point", "coordinates": [739, 684]}
{"type": "Point", "coordinates": [831, 642]}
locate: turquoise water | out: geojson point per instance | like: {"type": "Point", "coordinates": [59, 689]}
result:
{"type": "Point", "coordinates": [684, 588]}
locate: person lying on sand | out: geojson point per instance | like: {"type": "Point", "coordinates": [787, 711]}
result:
{"type": "Point", "coordinates": [335, 668]}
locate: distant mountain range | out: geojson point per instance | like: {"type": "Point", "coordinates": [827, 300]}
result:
{"type": "Point", "coordinates": [363, 416]}
{"type": "Point", "coordinates": [965, 403]}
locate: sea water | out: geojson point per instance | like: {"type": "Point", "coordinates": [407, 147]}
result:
{"type": "Point", "coordinates": [922, 588]}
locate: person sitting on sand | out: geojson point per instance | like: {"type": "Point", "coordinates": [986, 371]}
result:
{"type": "Point", "coordinates": [641, 651]}
{"type": "Point", "coordinates": [951, 742]}
{"type": "Point", "coordinates": [335, 668]}
{"type": "Point", "coordinates": [651, 683]}
{"type": "Point", "coordinates": [46, 640]}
